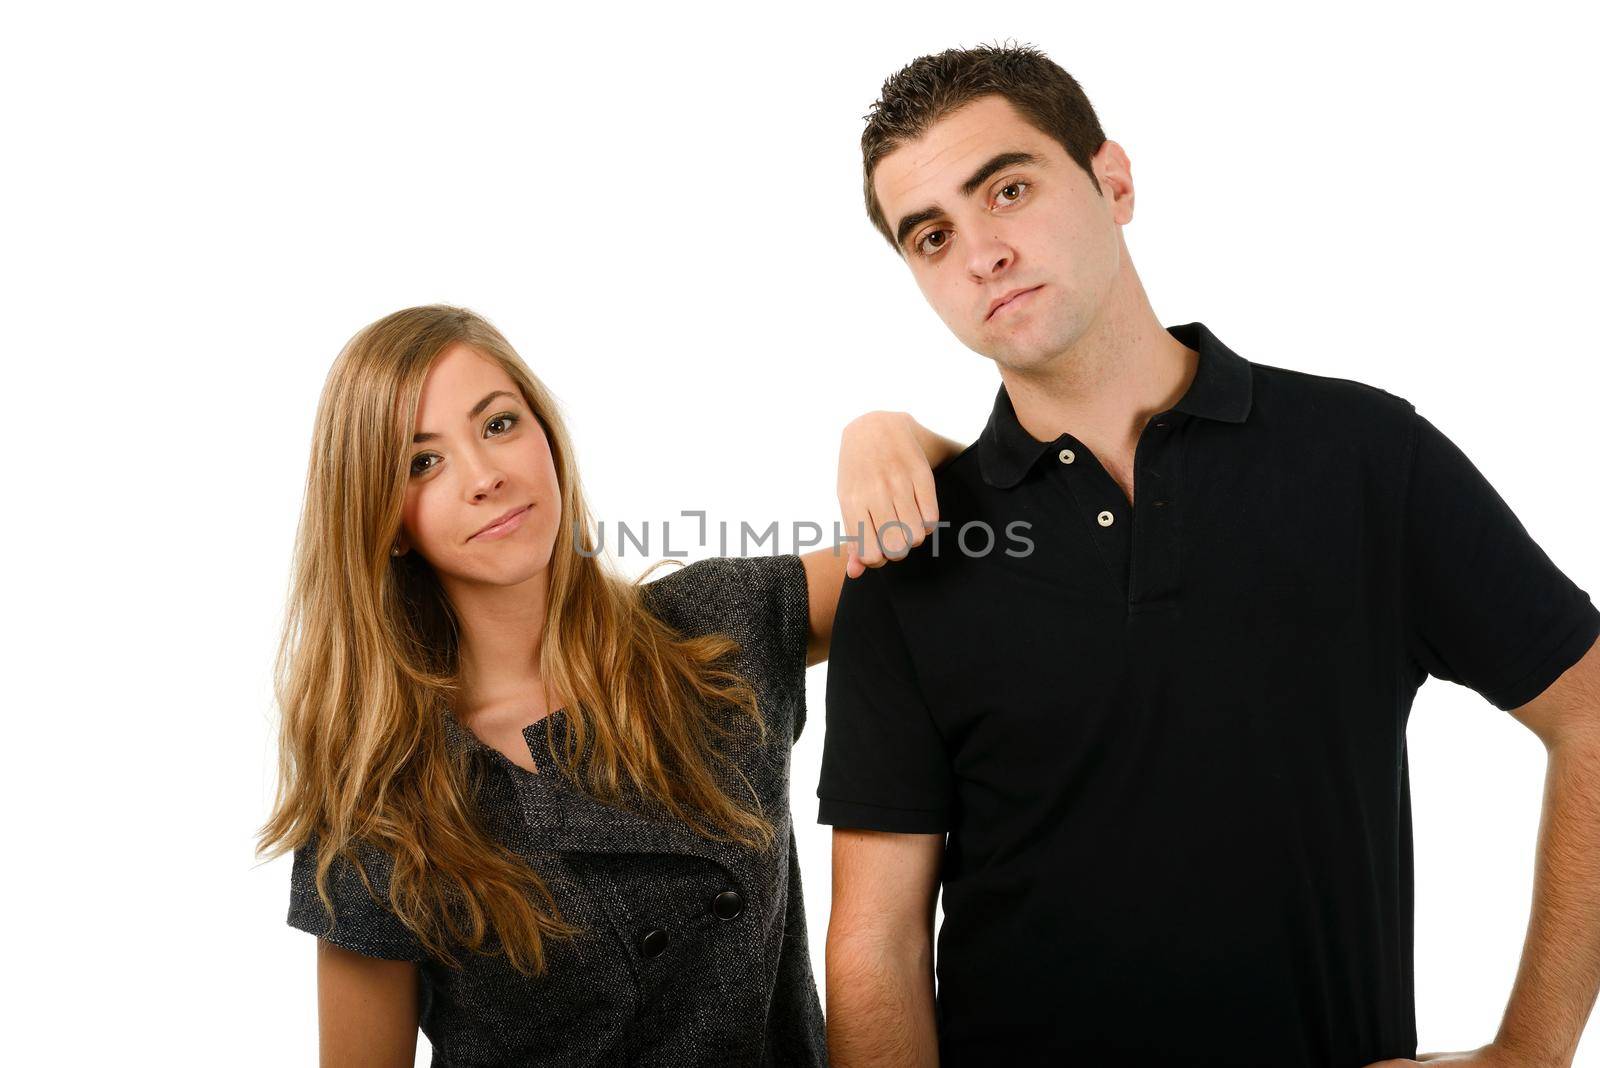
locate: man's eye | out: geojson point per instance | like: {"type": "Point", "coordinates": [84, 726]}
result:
{"type": "Point", "coordinates": [928, 246]}
{"type": "Point", "coordinates": [1015, 189]}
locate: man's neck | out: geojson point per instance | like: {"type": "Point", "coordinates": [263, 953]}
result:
{"type": "Point", "coordinates": [1106, 387]}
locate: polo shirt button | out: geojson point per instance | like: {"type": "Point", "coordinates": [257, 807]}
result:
{"type": "Point", "coordinates": [1067, 456]}
{"type": "Point", "coordinates": [727, 905]}
{"type": "Point", "coordinates": [653, 943]}
{"type": "Point", "coordinates": [1106, 519]}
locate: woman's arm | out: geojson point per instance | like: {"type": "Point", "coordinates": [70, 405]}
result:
{"type": "Point", "coordinates": [824, 578]}
{"type": "Point", "coordinates": [366, 1009]}
{"type": "Point", "coordinates": [886, 462]}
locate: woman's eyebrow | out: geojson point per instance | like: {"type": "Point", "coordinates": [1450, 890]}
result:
{"type": "Point", "coordinates": [477, 409]}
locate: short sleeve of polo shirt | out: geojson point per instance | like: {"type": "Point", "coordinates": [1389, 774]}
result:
{"type": "Point", "coordinates": [363, 921]}
{"type": "Point", "coordinates": [762, 602]}
{"type": "Point", "coordinates": [885, 766]}
{"type": "Point", "coordinates": [1485, 606]}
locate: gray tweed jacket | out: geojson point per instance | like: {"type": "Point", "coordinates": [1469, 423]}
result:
{"type": "Point", "coordinates": [694, 953]}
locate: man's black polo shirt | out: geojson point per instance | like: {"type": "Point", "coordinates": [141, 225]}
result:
{"type": "Point", "coordinates": [1168, 743]}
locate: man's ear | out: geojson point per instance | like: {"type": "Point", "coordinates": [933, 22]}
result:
{"type": "Point", "coordinates": [1114, 171]}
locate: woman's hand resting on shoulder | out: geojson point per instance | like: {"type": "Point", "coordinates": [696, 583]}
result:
{"type": "Point", "coordinates": [886, 491]}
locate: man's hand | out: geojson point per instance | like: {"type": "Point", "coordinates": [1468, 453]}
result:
{"type": "Point", "coordinates": [1490, 1056]}
{"type": "Point", "coordinates": [886, 491]}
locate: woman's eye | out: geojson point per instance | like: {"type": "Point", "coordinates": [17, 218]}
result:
{"type": "Point", "coordinates": [1015, 191]}
{"type": "Point", "coordinates": [928, 246]}
{"type": "Point", "coordinates": [504, 417]}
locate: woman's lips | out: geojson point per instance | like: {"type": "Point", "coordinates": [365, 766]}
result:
{"type": "Point", "coordinates": [502, 528]}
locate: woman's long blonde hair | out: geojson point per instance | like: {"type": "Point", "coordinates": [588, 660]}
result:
{"type": "Point", "coordinates": [368, 658]}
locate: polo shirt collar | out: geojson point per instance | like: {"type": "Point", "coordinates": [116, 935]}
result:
{"type": "Point", "coordinates": [1220, 391]}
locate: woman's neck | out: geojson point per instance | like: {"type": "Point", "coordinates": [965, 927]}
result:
{"type": "Point", "coordinates": [501, 637]}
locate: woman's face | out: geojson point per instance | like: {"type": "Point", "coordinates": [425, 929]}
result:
{"type": "Point", "coordinates": [479, 453]}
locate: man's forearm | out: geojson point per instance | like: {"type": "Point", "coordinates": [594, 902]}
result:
{"type": "Point", "coordinates": [880, 1004]}
{"type": "Point", "coordinates": [1559, 975]}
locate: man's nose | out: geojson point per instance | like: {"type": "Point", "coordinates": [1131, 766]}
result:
{"type": "Point", "coordinates": [988, 257]}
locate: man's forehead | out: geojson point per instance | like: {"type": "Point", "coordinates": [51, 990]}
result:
{"type": "Point", "coordinates": [934, 165]}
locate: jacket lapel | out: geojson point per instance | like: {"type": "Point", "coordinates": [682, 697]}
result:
{"type": "Point", "coordinates": [560, 816]}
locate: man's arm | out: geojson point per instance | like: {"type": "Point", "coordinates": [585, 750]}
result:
{"type": "Point", "coordinates": [880, 950]}
{"type": "Point", "coordinates": [888, 788]}
{"type": "Point", "coordinates": [1486, 607]}
{"type": "Point", "coordinates": [1559, 976]}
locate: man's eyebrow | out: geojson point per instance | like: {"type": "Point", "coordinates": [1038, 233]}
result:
{"type": "Point", "coordinates": [1000, 162]}
{"type": "Point", "coordinates": [979, 176]}
{"type": "Point", "coordinates": [477, 409]}
{"type": "Point", "coordinates": [914, 220]}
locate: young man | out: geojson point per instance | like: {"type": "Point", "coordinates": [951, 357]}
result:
{"type": "Point", "coordinates": [1165, 737]}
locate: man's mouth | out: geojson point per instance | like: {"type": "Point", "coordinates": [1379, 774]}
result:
{"type": "Point", "coordinates": [1006, 299]}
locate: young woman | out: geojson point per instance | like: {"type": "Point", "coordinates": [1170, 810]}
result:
{"type": "Point", "coordinates": [536, 809]}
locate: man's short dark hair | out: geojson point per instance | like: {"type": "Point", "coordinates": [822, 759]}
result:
{"type": "Point", "coordinates": [931, 87]}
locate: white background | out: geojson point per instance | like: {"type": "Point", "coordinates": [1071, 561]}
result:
{"type": "Point", "coordinates": [661, 209]}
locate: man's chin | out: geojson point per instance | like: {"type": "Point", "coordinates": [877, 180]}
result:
{"type": "Point", "coordinates": [1015, 354]}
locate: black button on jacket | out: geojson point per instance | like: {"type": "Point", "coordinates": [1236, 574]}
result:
{"type": "Point", "coordinates": [1168, 744]}
{"type": "Point", "coordinates": [695, 952]}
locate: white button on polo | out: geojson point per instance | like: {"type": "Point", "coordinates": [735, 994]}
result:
{"type": "Point", "coordinates": [1106, 519]}
{"type": "Point", "coordinates": [1067, 456]}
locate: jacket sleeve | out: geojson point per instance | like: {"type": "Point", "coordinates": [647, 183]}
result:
{"type": "Point", "coordinates": [762, 603]}
{"type": "Point", "coordinates": [362, 922]}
